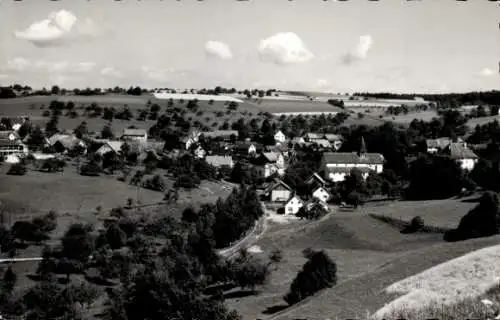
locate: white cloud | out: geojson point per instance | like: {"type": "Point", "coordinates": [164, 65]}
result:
{"type": "Point", "coordinates": [17, 64]}
{"type": "Point", "coordinates": [20, 64]}
{"type": "Point", "coordinates": [360, 52]}
{"type": "Point", "coordinates": [284, 48]}
{"type": "Point", "coordinates": [110, 71]}
{"type": "Point", "coordinates": [84, 66]}
{"type": "Point", "coordinates": [58, 28]}
{"type": "Point", "coordinates": [218, 49]}
{"type": "Point", "coordinates": [487, 72]}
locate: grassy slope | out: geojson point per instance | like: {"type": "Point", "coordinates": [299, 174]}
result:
{"type": "Point", "coordinates": [365, 250]}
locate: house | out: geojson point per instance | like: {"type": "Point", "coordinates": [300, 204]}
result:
{"type": "Point", "coordinates": [135, 134]}
{"type": "Point", "coordinates": [293, 205]}
{"type": "Point", "coordinates": [336, 165]}
{"type": "Point", "coordinates": [110, 146]}
{"type": "Point", "coordinates": [298, 141]}
{"type": "Point", "coordinates": [279, 137]}
{"type": "Point", "coordinates": [65, 142]}
{"type": "Point", "coordinates": [224, 135]}
{"type": "Point", "coordinates": [459, 152]}
{"type": "Point", "coordinates": [335, 140]}
{"type": "Point", "coordinates": [311, 203]}
{"type": "Point", "coordinates": [220, 161]}
{"type": "Point", "coordinates": [321, 194]}
{"type": "Point", "coordinates": [199, 152]}
{"type": "Point", "coordinates": [436, 145]}
{"type": "Point", "coordinates": [279, 191]}
{"type": "Point", "coordinates": [245, 149]}
{"type": "Point", "coordinates": [11, 144]}
{"type": "Point", "coordinates": [315, 181]}
{"type": "Point", "coordinates": [323, 143]}
{"type": "Point", "coordinates": [312, 136]}
{"type": "Point", "coordinates": [271, 163]}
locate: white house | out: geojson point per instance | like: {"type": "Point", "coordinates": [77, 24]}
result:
{"type": "Point", "coordinates": [335, 140]}
{"type": "Point", "coordinates": [10, 143]}
{"type": "Point", "coordinates": [280, 192]}
{"type": "Point", "coordinates": [293, 205]}
{"type": "Point", "coordinates": [279, 137]}
{"type": "Point", "coordinates": [135, 134]}
{"type": "Point", "coordinates": [336, 165]}
{"type": "Point", "coordinates": [271, 163]}
{"type": "Point", "coordinates": [321, 194]}
{"type": "Point", "coordinates": [192, 137]}
{"type": "Point", "coordinates": [459, 152]}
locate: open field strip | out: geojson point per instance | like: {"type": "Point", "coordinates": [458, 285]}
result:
{"type": "Point", "coordinates": [468, 276]}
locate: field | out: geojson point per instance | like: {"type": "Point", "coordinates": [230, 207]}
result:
{"type": "Point", "coordinates": [481, 121]}
{"type": "Point", "coordinates": [285, 106]}
{"type": "Point", "coordinates": [36, 105]}
{"type": "Point", "coordinates": [370, 256]}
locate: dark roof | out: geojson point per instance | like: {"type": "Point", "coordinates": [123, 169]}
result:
{"type": "Point", "coordinates": [317, 177]}
{"type": "Point", "coordinates": [353, 158]}
{"type": "Point", "coordinates": [276, 184]}
{"type": "Point", "coordinates": [460, 151]}
{"type": "Point", "coordinates": [220, 133]}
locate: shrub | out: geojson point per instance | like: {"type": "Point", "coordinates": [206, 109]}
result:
{"type": "Point", "coordinates": [91, 169]}
{"type": "Point", "coordinates": [187, 181]}
{"type": "Point", "coordinates": [416, 224]}
{"type": "Point", "coordinates": [155, 183]}
{"type": "Point", "coordinates": [318, 273]}
{"type": "Point", "coordinates": [17, 169]}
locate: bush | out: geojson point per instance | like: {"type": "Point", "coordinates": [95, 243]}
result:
{"type": "Point", "coordinates": [156, 183]}
{"type": "Point", "coordinates": [416, 224]}
{"type": "Point", "coordinates": [17, 169]}
{"type": "Point", "coordinates": [187, 181]}
{"type": "Point", "coordinates": [90, 169]}
{"type": "Point", "coordinates": [318, 273]}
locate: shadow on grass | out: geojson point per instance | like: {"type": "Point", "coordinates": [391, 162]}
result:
{"type": "Point", "coordinates": [275, 309]}
{"type": "Point", "coordinates": [239, 294]}
{"type": "Point", "coordinates": [406, 228]}
{"type": "Point", "coordinates": [211, 290]}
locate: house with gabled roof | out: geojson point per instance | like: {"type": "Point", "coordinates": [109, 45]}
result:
{"type": "Point", "coordinates": [11, 144]}
{"type": "Point", "coordinates": [279, 191]}
{"type": "Point", "coordinates": [464, 156]}
{"type": "Point", "coordinates": [321, 194]}
{"type": "Point", "coordinates": [246, 149]}
{"type": "Point", "coordinates": [270, 163]}
{"type": "Point", "coordinates": [110, 146]}
{"type": "Point", "coordinates": [279, 137]}
{"type": "Point", "coordinates": [293, 205]}
{"type": "Point", "coordinates": [313, 136]}
{"type": "Point", "coordinates": [323, 144]}
{"type": "Point", "coordinates": [335, 140]}
{"type": "Point", "coordinates": [224, 135]}
{"type": "Point", "coordinates": [336, 165]}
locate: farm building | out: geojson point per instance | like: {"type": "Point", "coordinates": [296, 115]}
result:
{"type": "Point", "coordinates": [135, 134]}
{"type": "Point", "coordinates": [271, 163]}
{"type": "Point", "coordinates": [247, 148]}
{"type": "Point", "coordinates": [65, 142]}
{"type": "Point", "coordinates": [337, 165]}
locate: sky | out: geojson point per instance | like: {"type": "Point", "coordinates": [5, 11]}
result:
{"type": "Point", "coordinates": [331, 46]}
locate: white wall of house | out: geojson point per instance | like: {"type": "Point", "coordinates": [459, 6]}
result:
{"type": "Point", "coordinates": [375, 167]}
{"type": "Point", "coordinates": [340, 176]}
{"type": "Point", "coordinates": [280, 195]}
{"type": "Point", "coordinates": [432, 150]}
{"type": "Point", "coordinates": [104, 149]}
{"type": "Point", "coordinates": [467, 164]}
{"type": "Point", "coordinates": [280, 161]}
{"type": "Point", "coordinates": [293, 206]}
{"type": "Point", "coordinates": [321, 194]}
{"type": "Point", "coordinates": [279, 137]}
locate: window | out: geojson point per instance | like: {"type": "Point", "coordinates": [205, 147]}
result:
{"type": "Point", "coordinates": [290, 209]}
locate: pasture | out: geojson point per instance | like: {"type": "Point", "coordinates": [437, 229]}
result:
{"type": "Point", "coordinates": [472, 123]}
{"type": "Point", "coordinates": [365, 251]}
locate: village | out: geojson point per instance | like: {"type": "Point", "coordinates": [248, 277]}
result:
{"type": "Point", "coordinates": [222, 150]}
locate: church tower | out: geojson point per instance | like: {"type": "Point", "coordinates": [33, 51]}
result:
{"type": "Point", "coordinates": [362, 149]}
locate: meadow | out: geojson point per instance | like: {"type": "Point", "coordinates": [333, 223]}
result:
{"type": "Point", "coordinates": [370, 255]}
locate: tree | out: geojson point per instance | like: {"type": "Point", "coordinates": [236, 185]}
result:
{"type": "Point", "coordinates": [36, 138]}
{"type": "Point", "coordinates": [81, 130]}
{"type": "Point", "coordinates": [107, 132]}
{"type": "Point", "coordinates": [115, 236]}
{"type": "Point", "coordinates": [77, 242]}
{"type": "Point", "coordinates": [318, 273]}
{"type": "Point", "coordinates": [9, 280]}
{"type": "Point", "coordinates": [156, 183]}
{"type": "Point", "coordinates": [55, 90]}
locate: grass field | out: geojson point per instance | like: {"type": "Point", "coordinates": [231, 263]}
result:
{"type": "Point", "coordinates": [482, 121]}
{"type": "Point", "coordinates": [370, 255]}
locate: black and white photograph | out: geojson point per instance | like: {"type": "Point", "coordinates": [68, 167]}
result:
{"type": "Point", "coordinates": [249, 159]}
